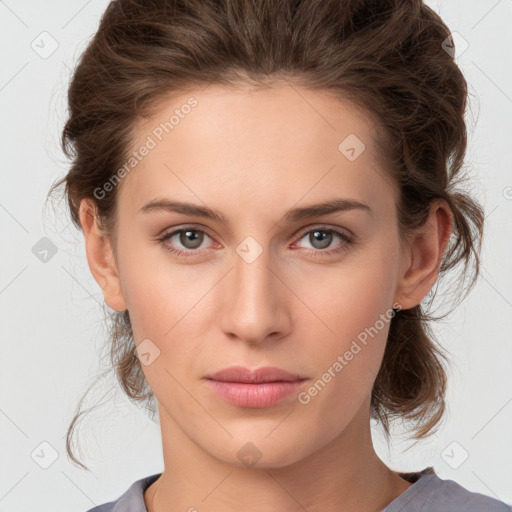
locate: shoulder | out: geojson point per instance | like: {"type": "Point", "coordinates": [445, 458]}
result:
{"type": "Point", "coordinates": [447, 493]}
{"type": "Point", "coordinates": [132, 499]}
{"type": "Point", "coordinates": [430, 493]}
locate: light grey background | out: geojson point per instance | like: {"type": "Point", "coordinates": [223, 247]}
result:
{"type": "Point", "coordinates": [51, 314]}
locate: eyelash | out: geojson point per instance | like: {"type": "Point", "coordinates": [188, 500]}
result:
{"type": "Point", "coordinates": [316, 252]}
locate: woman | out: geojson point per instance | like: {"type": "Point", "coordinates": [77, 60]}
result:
{"type": "Point", "coordinates": [266, 191]}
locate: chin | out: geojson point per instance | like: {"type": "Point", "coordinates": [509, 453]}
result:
{"type": "Point", "coordinates": [261, 452]}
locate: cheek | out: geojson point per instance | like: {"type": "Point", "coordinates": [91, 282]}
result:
{"type": "Point", "coordinates": [360, 322]}
{"type": "Point", "coordinates": [165, 308]}
{"type": "Point", "coordinates": [158, 292]}
{"type": "Point", "coordinates": [346, 363]}
{"type": "Point", "coordinates": [351, 296]}
{"type": "Point", "coordinates": [353, 306]}
{"type": "Point", "coordinates": [170, 305]}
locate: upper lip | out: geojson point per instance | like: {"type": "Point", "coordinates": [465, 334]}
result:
{"type": "Point", "coordinates": [265, 374]}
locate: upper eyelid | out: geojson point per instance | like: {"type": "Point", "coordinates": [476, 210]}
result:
{"type": "Point", "coordinates": [324, 227]}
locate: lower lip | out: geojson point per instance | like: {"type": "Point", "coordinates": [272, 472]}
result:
{"type": "Point", "coordinates": [255, 396]}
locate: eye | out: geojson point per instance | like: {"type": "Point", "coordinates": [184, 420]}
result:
{"type": "Point", "coordinates": [322, 237]}
{"type": "Point", "coordinates": [188, 237]}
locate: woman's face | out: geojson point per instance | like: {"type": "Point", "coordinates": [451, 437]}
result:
{"type": "Point", "coordinates": [257, 284]}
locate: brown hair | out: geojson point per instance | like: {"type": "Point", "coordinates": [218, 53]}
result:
{"type": "Point", "coordinates": [386, 56]}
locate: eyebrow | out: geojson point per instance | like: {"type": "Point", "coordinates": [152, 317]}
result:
{"type": "Point", "coordinates": [295, 214]}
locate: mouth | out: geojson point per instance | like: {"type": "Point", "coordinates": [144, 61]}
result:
{"type": "Point", "coordinates": [255, 389]}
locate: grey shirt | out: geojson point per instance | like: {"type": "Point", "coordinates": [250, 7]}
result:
{"type": "Point", "coordinates": [429, 493]}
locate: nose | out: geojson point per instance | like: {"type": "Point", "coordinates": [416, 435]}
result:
{"type": "Point", "coordinates": [255, 304]}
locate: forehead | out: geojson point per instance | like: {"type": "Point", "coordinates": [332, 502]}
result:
{"type": "Point", "coordinates": [262, 144]}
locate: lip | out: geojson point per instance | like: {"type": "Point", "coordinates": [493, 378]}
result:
{"type": "Point", "coordinates": [257, 376]}
{"type": "Point", "coordinates": [255, 389]}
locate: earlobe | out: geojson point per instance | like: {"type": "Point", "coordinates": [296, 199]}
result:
{"type": "Point", "coordinates": [426, 252]}
{"type": "Point", "coordinates": [100, 257]}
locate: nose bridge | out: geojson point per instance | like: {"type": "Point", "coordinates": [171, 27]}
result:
{"type": "Point", "coordinates": [255, 305]}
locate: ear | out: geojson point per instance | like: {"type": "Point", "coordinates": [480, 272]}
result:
{"type": "Point", "coordinates": [423, 256]}
{"type": "Point", "coordinates": [100, 256]}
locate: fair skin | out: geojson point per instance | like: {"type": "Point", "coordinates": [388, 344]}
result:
{"type": "Point", "coordinates": [253, 154]}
